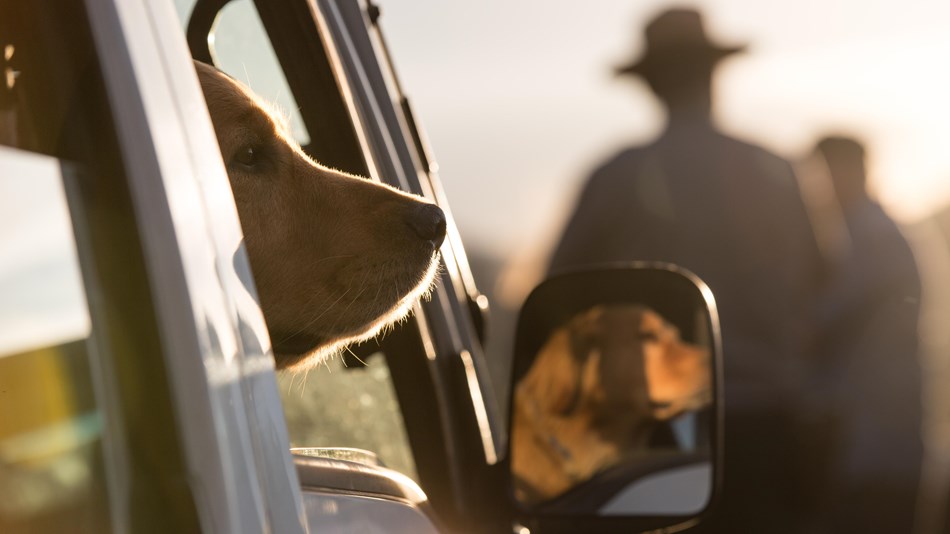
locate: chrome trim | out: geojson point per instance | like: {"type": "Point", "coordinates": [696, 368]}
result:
{"type": "Point", "coordinates": [332, 475]}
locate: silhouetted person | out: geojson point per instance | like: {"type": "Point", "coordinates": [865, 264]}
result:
{"type": "Point", "coordinates": [869, 315]}
{"type": "Point", "coordinates": [732, 213]}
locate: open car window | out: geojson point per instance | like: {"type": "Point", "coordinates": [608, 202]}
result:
{"type": "Point", "coordinates": [348, 402]}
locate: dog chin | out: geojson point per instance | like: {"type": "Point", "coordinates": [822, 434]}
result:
{"type": "Point", "coordinates": [399, 312]}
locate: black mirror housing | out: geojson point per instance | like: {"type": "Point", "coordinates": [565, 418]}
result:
{"type": "Point", "coordinates": [615, 415]}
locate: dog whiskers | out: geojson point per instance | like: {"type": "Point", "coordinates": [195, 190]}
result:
{"type": "Point", "coordinates": [378, 288]}
{"type": "Point", "coordinates": [291, 386]}
{"type": "Point", "coordinates": [317, 318]}
{"type": "Point", "coordinates": [363, 287]}
{"type": "Point", "coordinates": [341, 316]}
{"type": "Point", "coordinates": [353, 354]}
{"type": "Point", "coordinates": [327, 258]}
{"type": "Point", "coordinates": [398, 291]}
{"type": "Point", "coordinates": [303, 384]}
{"type": "Point", "coordinates": [427, 294]}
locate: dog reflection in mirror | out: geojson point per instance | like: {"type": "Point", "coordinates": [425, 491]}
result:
{"type": "Point", "coordinates": [336, 258]}
{"type": "Point", "coordinates": [597, 389]}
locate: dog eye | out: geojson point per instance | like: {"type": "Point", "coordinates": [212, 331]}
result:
{"type": "Point", "coordinates": [648, 336]}
{"type": "Point", "coordinates": [247, 156]}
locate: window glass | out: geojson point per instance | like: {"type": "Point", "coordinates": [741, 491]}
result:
{"type": "Point", "coordinates": [242, 50]}
{"type": "Point", "coordinates": [339, 406]}
{"type": "Point", "coordinates": [51, 470]}
{"type": "Point", "coordinates": [43, 299]}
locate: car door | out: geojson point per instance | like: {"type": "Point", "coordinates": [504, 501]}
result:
{"type": "Point", "coordinates": [154, 399]}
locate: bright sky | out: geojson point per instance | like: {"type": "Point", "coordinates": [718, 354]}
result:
{"type": "Point", "coordinates": [517, 97]}
{"type": "Point", "coordinates": [42, 300]}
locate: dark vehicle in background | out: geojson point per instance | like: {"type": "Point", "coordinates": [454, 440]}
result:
{"type": "Point", "coordinates": [137, 387]}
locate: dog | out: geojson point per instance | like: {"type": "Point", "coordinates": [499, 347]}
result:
{"type": "Point", "coordinates": [597, 389]}
{"type": "Point", "coordinates": [335, 258]}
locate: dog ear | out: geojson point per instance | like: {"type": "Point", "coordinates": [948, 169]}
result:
{"type": "Point", "coordinates": [557, 378]}
{"type": "Point", "coordinates": [553, 379]}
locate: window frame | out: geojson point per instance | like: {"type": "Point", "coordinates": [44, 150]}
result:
{"type": "Point", "coordinates": [471, 431]}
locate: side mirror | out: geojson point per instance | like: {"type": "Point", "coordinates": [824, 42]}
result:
{"type": "Point", "coordinates": [615, 414]}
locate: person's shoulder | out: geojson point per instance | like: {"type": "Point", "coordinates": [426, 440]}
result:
{"type": "Point", "coordinates": [768, 163]}
{"type": "Point", "coordinates": [619, 166]}
{"type": "Point", "coordinates": [625, 158]}
{"type": "Point", "coordinates": [760, 153]}
{"type": "Point", "coordinates": [631, 158]}
{"type": "Point", "coordinates": [871, 218]}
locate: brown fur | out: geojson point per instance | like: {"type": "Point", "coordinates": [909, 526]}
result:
{"type": "Point", "coordinates": [596, 389]}
{"type": "Point", "coordinates": [335, 257]}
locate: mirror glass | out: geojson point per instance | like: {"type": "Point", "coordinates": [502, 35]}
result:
{"type": "Point", "coordinates": [613, 406]}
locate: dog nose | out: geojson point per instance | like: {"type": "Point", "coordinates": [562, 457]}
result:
{"type": "Point", "coordinates": [428, 222]}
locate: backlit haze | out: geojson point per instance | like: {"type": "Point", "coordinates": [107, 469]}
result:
{"type": "Point", "coordinates": [519, 100]}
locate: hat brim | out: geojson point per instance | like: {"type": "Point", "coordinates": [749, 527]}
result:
{"type": "Point", "coordinates": [651, 61]}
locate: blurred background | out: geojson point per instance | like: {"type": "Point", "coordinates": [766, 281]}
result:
{"type": "Point", "coordinates": [520, 103]}
{"type": "Point", "coordinates": [522, 96]}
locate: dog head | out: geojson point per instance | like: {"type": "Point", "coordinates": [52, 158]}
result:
{"type": "Point", "coordinates": [644, 366]}
{"type": "Point", "coordinates": [335, 257]}
{"type": "Point", "coordinates": [636, 361]}
{"type": "Point", "coordinates": [595, 391]}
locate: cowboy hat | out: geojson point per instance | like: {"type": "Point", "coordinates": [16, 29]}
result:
{"type": "Point", "coordinates": [676, 35]}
